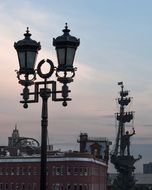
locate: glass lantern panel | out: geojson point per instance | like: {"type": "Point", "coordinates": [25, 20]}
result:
{"type": "Point", "coordinates": [70, 56]}
{"type": "Point", "coordinates": [61, 56]}
{"type": "Point", "coordinates": [21, 56]}
{"type": "Point", "coordinates": [31, 58]}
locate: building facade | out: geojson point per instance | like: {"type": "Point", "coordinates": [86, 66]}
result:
{"type": "Point", "coordinates": [65, 171]}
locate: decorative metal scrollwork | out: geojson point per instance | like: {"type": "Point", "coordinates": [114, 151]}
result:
{"type": "Point", "coordinates": [39, 69]}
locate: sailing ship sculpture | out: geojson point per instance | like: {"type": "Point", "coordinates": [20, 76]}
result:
{"type": "Point", "coordinates": [121, 156]}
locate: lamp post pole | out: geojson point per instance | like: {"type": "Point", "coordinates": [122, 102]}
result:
{"type": "Point", "coordinates": [45, 94]}
{"type": "Point", "coordinates": [27, 50]}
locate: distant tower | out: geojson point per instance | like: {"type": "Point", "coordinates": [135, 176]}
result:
{"type": "Point", "coordinates": [83, 140]}
{"type": "Point", "coordinates": [121, 157]}
{"type": "Point", "coordinates": [14, 138]}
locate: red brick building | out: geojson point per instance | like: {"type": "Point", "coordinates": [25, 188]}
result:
{"type": "Point", "coordinates": [74, 170]}
{"type": "Point", "coordinates": [65, 171]}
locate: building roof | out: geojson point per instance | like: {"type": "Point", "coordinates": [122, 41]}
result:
{"type": "Point", "coordinates": [60, 157]}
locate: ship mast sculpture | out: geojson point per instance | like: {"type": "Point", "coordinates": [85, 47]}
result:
{"type": "Point", "coordinates": [121, 157]}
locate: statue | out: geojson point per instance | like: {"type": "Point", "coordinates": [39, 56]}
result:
{"type": "Point", "coordinates": [126, 142]}
{"type": "Point", "coordinates": [121, 157]}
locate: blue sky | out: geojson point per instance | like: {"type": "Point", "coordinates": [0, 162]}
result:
{"type": "Point", "coordinates": [116, 45]}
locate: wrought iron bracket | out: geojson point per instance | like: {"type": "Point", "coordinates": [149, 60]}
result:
{"type": "Point", "coordinates": [52, 91]}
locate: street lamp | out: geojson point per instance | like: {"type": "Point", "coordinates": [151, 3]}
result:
{"type": "Point", "coordinates": [27, 50]}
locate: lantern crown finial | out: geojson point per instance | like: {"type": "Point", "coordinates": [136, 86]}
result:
{"type": "Point", "coordinates": [66, 25]}
{"type": "Point", "coordinates": [27, 34]}
{"type": "Point", "coordinates": [27, 30]}
{"type": "Point", "coordinates": [66, 30]}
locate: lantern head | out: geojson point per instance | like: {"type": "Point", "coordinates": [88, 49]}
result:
{"type": "Point", "coordinates": [27, 50]}
{"type": "Point", "coordinates": [66, 46]}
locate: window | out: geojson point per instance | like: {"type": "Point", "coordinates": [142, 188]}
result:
{"type": "Point", "coordinates": [62, 170]}
{"type": "Point", "coordinates": [85, 187]}
{"type": "Point", "coordinates": [6, 171]}
{"type": "Point", "coordinates": [69, 187]}
{"type": "Point", "coordinates": [35, 171]}
{"type": "Point", "coordinates": [90, 171]}
{"type": "Point", "coordinates": [23, 186]}
{"type": "Point", "coordinates": [61, 187]}
{"type": "Point", "coordinates": [12, 171]}
{"type": "Point", "coordinates": [3, 171]}
{"type": "Point", "coordinates": [53, 170]}
{"type": "Point", "coordinates": [17, 186]}
{"type": "Point", "coordinates": [1, 186]}
{"type": "Point", "coordinates": [29, 186]}
{"type": "Point", "coordinates": [18, 171]}
{"type": "Point", "coordinates": [23, 171]}
{"type": "Point", "coordinates": [34, 186]}
{"type": "Point", "coordinates": [69, 170]}
{"type": "Point", "coordinates": [29, 171]}
{"type": "Point", "coordinates": [75, 187]}
{"type": "Point", "coordinates": [81, 171]}
{"type": "Point", "coordinates": [85, 171]}
{"type": "Point", "coordinates": [57, 187]}
{"type": "Point", "coordinates": [6, 186]}
{"type": "Point", "coordinates": [95, 171]}
{"type": "Point", "coordinates": [80, 187]}
{"type": "Point", "coordinates": [75, 171]}
{"type": "Point", "coordinates": [53, 187]}
{"type": "Point", "coordinates": [58, 171]}
{"type": "Point", "coordinates": [12, 186]}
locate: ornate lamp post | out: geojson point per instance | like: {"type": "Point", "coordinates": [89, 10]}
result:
{"type": "Point", "coordinates": [27, 50]}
